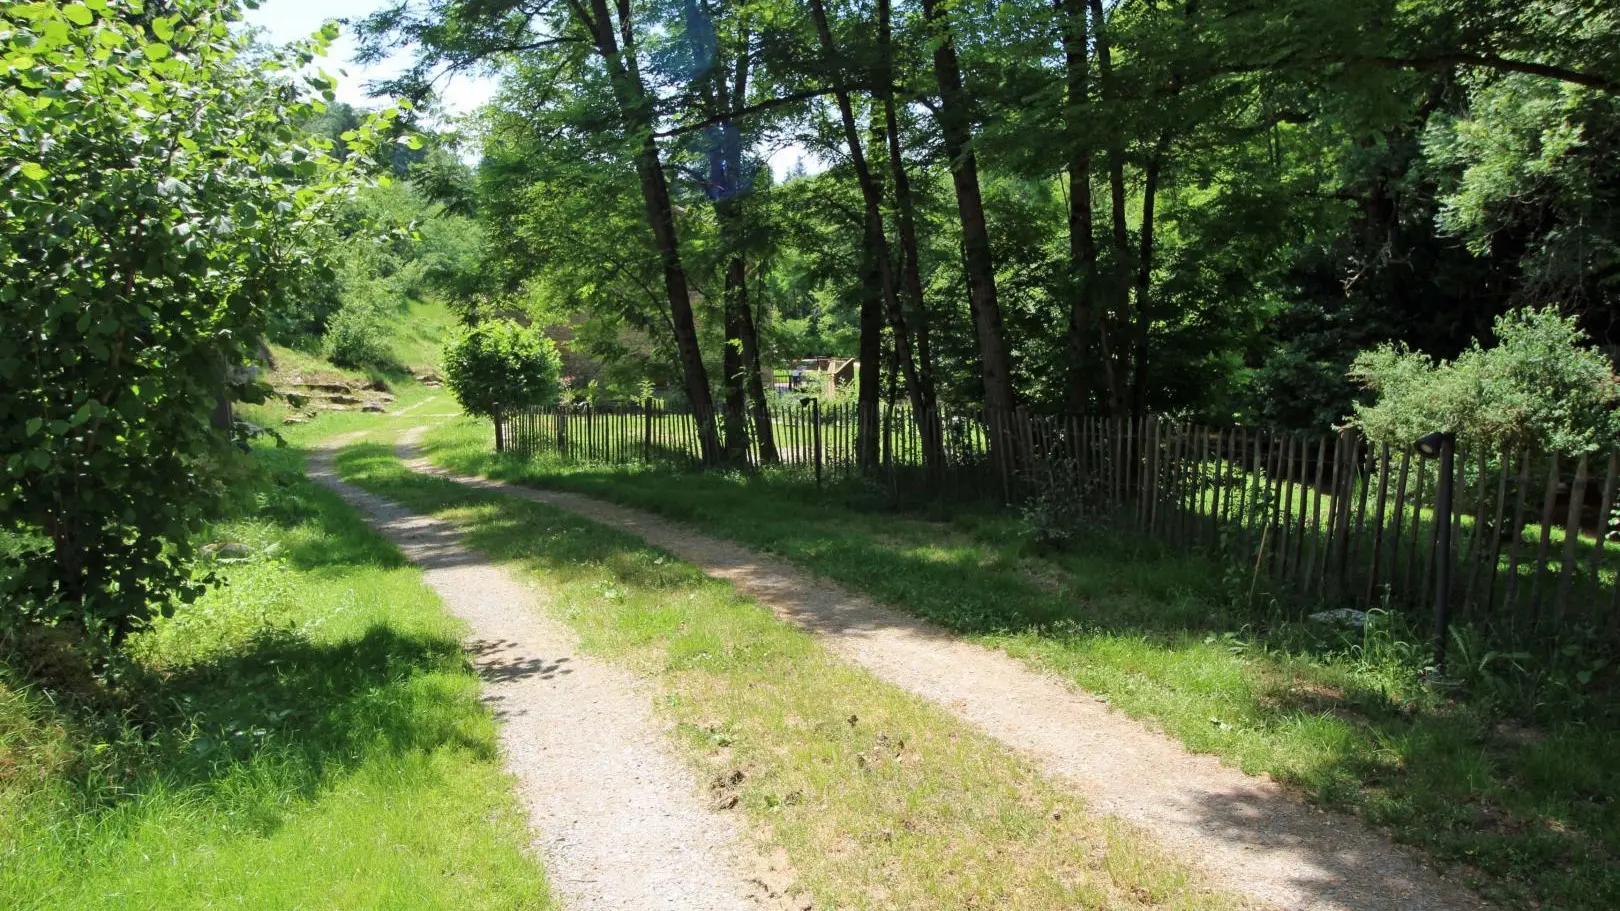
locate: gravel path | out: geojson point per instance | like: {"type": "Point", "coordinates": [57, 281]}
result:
{"type": "Point", "coordinates": [613, 811]}
{"type": "Point", "coordinates": [1245, 833]}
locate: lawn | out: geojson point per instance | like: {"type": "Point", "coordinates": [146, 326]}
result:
{"type": "Point", "coordinates": [416, 331]}
{"type": "Point", "coordinates": [276, 745]}
{"type": "Point", "coordinates": [1511, 779]}
{"type": "Point", "coordinates": [875, 797]}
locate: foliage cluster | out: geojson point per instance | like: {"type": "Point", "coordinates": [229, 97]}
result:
{"type": "Point", "coordinates": [389, 245]}
{"type": "Point", "coordinates": [1541, 386]}
{"type": "Point", "coordinates": [158, 210]}
{"type": "Point", "coordinates": [499, 365]}
{"type": "Point", "coordinates": [1200, 209]}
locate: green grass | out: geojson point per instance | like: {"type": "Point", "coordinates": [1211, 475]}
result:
{"type": "Point", "coordinates": [1530, 810]}
{"type": "Point", "coordinates": [418, 332]}
{"type": "Point", "coordinates": [877, 798]}
{"type": "Point", "coordinates": [286, 739]}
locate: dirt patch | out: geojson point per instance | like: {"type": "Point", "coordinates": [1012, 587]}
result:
{"type": "Point", "coordinates": [1246, 834]}
{"type": "Point", "coordinates": [613, 811]}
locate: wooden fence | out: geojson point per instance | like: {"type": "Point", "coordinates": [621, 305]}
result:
{"type": "Point", "coordinates": [1319, 519]}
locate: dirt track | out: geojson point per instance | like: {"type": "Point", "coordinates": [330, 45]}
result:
{"type": "Point", "coordinates": [614, 813]}
{"type": "Point", "coordinates": [1245, 833]}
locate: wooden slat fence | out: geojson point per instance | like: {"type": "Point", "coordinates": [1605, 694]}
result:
{"type": "Point", "coordinates": [1330, 519]}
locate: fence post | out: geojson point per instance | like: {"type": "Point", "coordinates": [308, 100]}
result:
{"type": "Point", "coordinates": [646, 433]}
{"type": "Point", "coordinates": [815, 421]}
{"type": "Point", "coordinates": [1442, 581]}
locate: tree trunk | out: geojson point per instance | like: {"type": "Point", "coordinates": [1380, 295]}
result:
{"type": "Point", "coordinates": [631, 96]}
{"type": "Point", "coordinates": [869, 368]}
{"type": "Point", "coordinates": [735, 423]}
{"type": "Point", "coordinates": [500, 433]}
{"type": "Point", "coordinates": [1144, 277]}
{"type": "Point", "coordinates": [740, 315]}
{"type": "Point", "coordinates": [910, 259]}
{"type": "Point", "coordinates": [763, 432]}
{"type": "Point", "coordinates": [1082, 245]}
{"type": "Point", "coordinates": [1118, 286]}
{"type": "Point", "coordinates": [924, 401]}
{"type": "Point", "coordinates": [956, 125]}
{"type": "Point", "coordinates": [881, 297]}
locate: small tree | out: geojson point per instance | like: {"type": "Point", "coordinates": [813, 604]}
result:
{"type": "Point", "coordinates": [1543, 386]}
{"type": "Point", "coordinates": [499, 365]}
{"type": "Point", "coordinates": [156, 211]}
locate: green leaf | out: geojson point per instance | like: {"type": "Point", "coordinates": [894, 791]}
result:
{"type": "Point", "coordinates": [157, 50]}
{"type": "Point", "coordinates": [78, 14]}
{"type": "Point", "coordinates": [33, 426]}
{"type": "Point", "coordinates": [163, 27]}
{"type": "Point", "coordinates": [32, 170]}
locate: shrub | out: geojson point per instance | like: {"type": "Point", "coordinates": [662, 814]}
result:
{"type": "Point", "coordinates": [356, 335]}
{"type": "Point", "coordinates": [499, 365]}
{"type": "Point", "coordinates": [1069, 503]}
{"type": "Point", "coordinates": [1541, 386]}
{"type": "Point", "coordinates": [155, 211]}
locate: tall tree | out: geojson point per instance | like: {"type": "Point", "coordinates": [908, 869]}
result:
{"type": "Point", "coordinates": [720, 72]}
{"type": "Point", "coordinates": [1082, 265]}
{"type": "Point", "coordinates": [919, 378]}
{"type": "Point", "coordinates": [956, 124]}
{"type": "Point", "coordinates": [881, 294]}
{"type": "Point", "coordinates": [1117, 286]}
{"type": "Point", "coordinates": [468, 33]}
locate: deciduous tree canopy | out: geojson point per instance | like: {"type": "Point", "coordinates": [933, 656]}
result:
{"type": "Point", "coordinates": [1200, 207]}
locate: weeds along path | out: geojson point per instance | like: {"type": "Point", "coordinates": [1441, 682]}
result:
{"type": "Point", "coordinates": [612, 810]}
{"type": "Point", "coordinates": [1246, 834]}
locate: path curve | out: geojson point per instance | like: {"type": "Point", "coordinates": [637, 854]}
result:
{"type": "Point", "coordinates": [613, 811]}
{"type": "Point", "coordinates": [1246, 834]}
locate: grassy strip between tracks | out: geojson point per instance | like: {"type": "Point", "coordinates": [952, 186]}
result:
{"type": "Point", "coordinates": [877, 799]}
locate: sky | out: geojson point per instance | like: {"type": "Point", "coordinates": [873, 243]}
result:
{"type": "Point", "coordinates": [290, 20]}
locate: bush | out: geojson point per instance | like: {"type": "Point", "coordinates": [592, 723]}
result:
{"type": "Point", "coordinates": [357, 334]}
{"type": "Point", "coordinates": [1542, 386]}
{"type": "Point", "coordinates": [1069, 504]}
{"type": "Point", "coordinates": [497, 366]}
{"type": "Point", "coordinates": [155, 212]}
